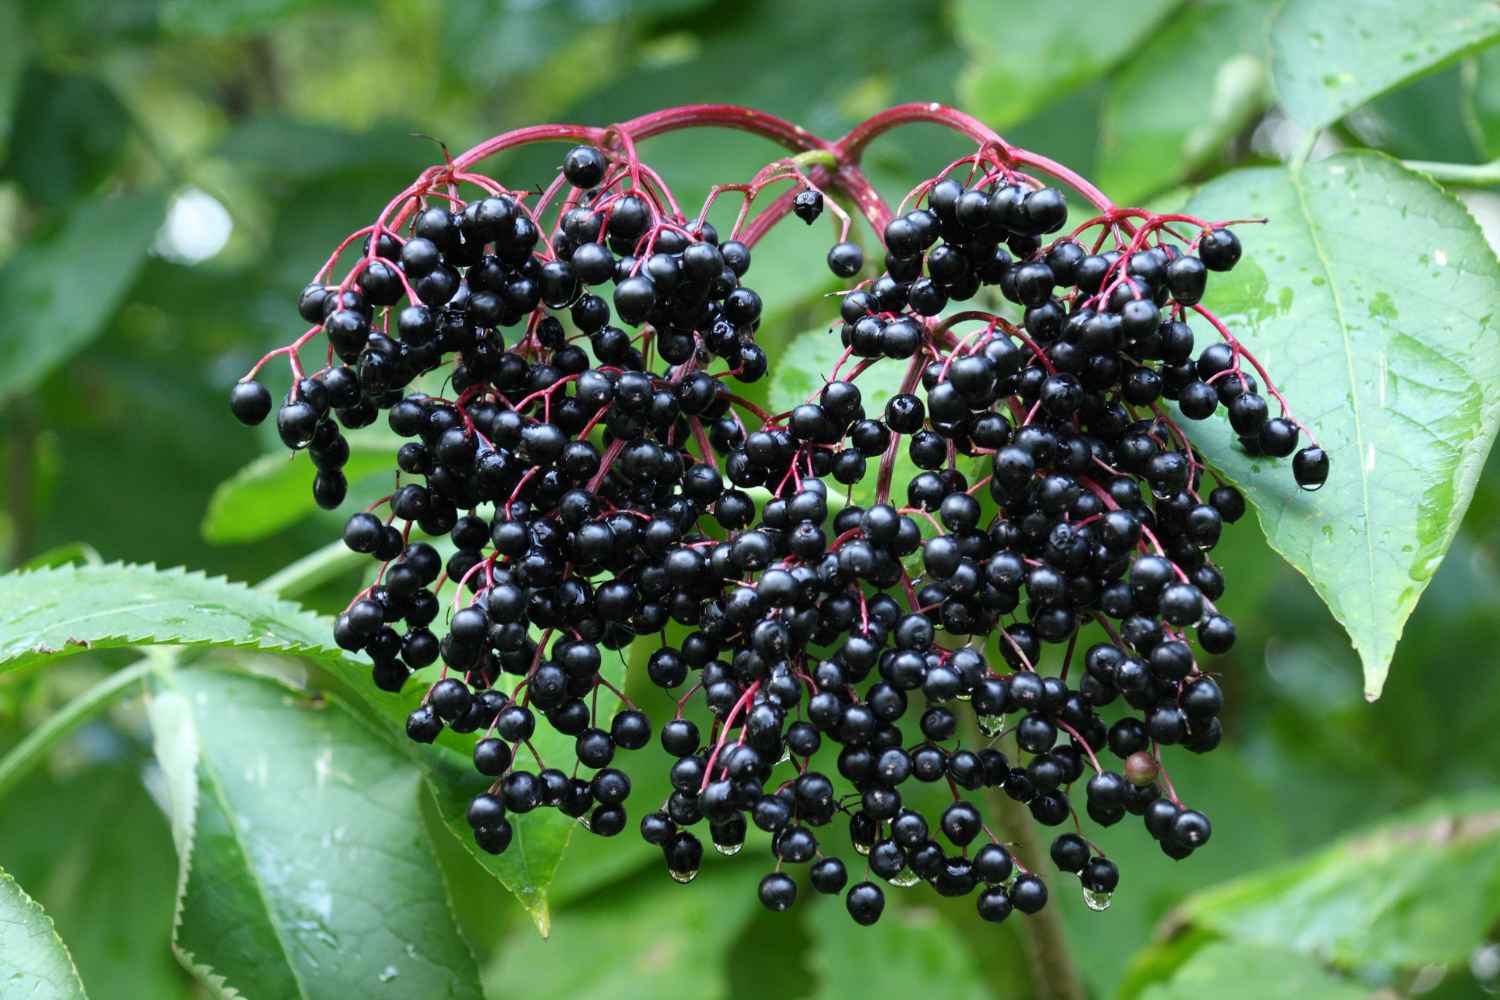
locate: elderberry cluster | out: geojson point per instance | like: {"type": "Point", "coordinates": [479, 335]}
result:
{"type": "Point", "coordinates": [862, 667]}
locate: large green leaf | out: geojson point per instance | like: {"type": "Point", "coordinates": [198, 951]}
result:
{"type": "Point", "coordinates": [57, 612]}
{"type": "Point", "coordinates": [33, 961]}
{"type": "Point", "coordinates": [1329, 58]}
{"type": "Point", "coordinates": [63, 285]}
{"type": "Point", "coordinates": [275, 491]}
{"type": "Point", "coordinates": [1420, 890]}
{"type": "Point", "coordinates": [1371, 298]}
{"type": "Point", "coordinates": [1171, 108]}
{"type": "Point", "coordinates": [305, 866]}
{"type": "Point", "coordinates": [1249, 972]}
{"type": "Point", "coordinates": [1025, 55]}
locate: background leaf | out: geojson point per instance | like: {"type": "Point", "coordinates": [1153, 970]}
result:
{"type": "Point", "coordinates": [305, 867]}
{"type": "Point", "coordinates": [1390, 357]}
{"type": "Point", "coordinates": [33, 961]}
{"type": "Point", "coordinates": [58, 612]}
{"type": "Point", "coordinates": [911, 946]}
{"type": "Point", "coordinates": [275, 491]}
{"type": "Point", "coordinates": [12, 62]}
{"type": "Point", "coordinates": [95, 834]}
{"type": "Point", "coordinates": [1247, 972]}
{"type": "Point", "coordinates": [1026, 55]}
{"type": "Point", "coordinates": [1328, 59]}
{"type": "Point", "coordinates": [72, 132]}
{"type": "Point", "coordinates": [1421, 889]}
{"type": "Point", "coordinates": [1171, 107]}
{"type": "Point", "coordinates": [39, 287]}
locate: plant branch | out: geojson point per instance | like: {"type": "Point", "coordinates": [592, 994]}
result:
{"type": "Point", "coordinates": [1468, 174]}
{"type": "Point", "coordinates": [15, 765]}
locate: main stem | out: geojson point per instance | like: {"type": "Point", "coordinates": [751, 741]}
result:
{"type": "Point", "coordinates": [1053, 974]}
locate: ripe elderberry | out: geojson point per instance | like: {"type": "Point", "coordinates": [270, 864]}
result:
{"type": "Point", "coordinates": [565, 364]}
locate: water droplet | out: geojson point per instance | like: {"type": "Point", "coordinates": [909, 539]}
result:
{"type": "Point", "coordinates": [905, 878]}
{"type": "Point", "coordinates": [990, 725]}
{"type": "Point", "coordinates": [388, 973]}
{"type": "Point", "coordinates": [863, 849]}
{"type": "Point", "coordinates": [729, 850]}
{"type": "Point", "coordinates": [683, 877]}
{"type": "Point", "coordinates": [786, 755]}
{"type": "Point", "coordinates": [1096, 901]}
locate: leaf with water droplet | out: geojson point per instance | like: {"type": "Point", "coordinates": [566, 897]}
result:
{"type": "Point", "coordinates": [1329, 58]}
{"type": "Point", "coordinates": [268, 903]}
{"type": "Point", "coordinates": [33, 961]}
{"type": "Point", "coordinates": [1397, 374]}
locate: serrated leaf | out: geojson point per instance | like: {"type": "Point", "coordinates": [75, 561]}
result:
{"type": "Point", "coordinates": [1247, 972]}
{"type": "Point", "coordinates": [33, 961]}
{"type": "Point", "coordinates": [1422, 889]}
{"type": "Point", "coordinates": [1329, 58]}
{"type": "Point", "coordinates": [1024, 56]}
{"type": "Point", "coordinates": [41, 283]}
{"type": "Point", "coordinates": [274, 492]}
{"type": "Point", "coordinates": [305, 867]}
{"type": "Point", "coordinates": [68, 609]}
{"type": "Point", "coordinates": [1371, 298]}
{"type": "Point", "coordinates": [1172, 106]}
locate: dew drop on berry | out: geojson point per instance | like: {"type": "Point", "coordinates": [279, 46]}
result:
{"type": "Point", "coordinates": [905, 879]}
{"type": "Point", "coordinates": [683, 877]}
{"type": "Point", "coordinates": [1096, 901]}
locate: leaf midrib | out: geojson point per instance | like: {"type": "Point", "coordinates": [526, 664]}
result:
{"type": "Point", "coordinates": [1294, 175]}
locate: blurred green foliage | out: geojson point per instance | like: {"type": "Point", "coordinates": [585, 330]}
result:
{"type": "Point", "coordinates": [123, 124]}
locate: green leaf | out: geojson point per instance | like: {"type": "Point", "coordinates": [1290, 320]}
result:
{"type": "Point", "coordinates": [647, 938]}
{"type": "Point", "coordinates": [1329, 58]}
{"type": "Point", "coordinates": [1247, 972]}
{"type": "Point", "coordinates": [73, 132]}
{"type": "Point", "coordinates": [58, 612]}
{"type": "Point", "coordinates": [41, 283]}
{"type": "Point", "coordinates": [539, 838]}
{"type": "Point", "coordinates": [1171, 108]}
{"type": "Point", "coordinates": [1391, 358]}
{"type": "Point", "coordinates": [33, 961]}
{"type": "Point", "coordinates": [275, 491]}
{"type": "Point", "coordinates": [1419, 890]}
{"type": "Point", "coordinates": [910, 949]}
{"type": "Point", "coordinates": [1025, 55]}
{"type": "Point", "coordinates": [305, 867]}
